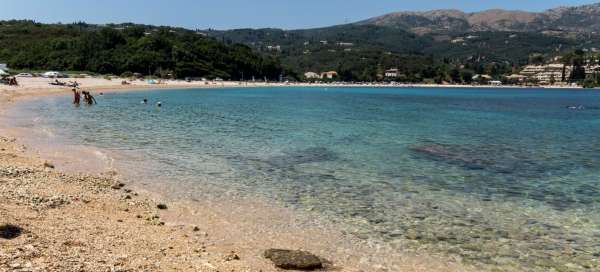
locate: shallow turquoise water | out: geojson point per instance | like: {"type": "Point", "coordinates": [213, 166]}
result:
{"type": "Point", "coordinates": [502, 178]}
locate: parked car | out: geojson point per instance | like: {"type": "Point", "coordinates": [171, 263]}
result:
{"type": "Point", "coordinates": [52, 74]}
{"type": "Point", "coordinates": [24, 75]}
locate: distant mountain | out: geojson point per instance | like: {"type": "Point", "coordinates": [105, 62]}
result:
{"type": "Point", "coordinates": [580, 19]}
{"type": "Point", "coordinates": [493, 41]}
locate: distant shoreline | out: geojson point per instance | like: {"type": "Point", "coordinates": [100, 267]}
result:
{"type": "Point", "coordinates": [417, 85]}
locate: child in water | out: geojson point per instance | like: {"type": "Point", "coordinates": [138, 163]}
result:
{"type": "Point", "coordinates": [88, 98]}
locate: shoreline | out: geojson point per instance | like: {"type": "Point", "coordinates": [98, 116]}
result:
{"type": "Point", "coordinates": [79, 206]}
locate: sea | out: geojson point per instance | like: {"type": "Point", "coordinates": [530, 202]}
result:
{"type": "Point", "coordinates": [504, 179]}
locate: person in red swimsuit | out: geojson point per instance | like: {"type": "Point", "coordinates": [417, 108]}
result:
{"type": "Point", "coordinates": [76, 97]}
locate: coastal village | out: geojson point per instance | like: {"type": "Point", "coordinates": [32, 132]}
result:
{"type": "Point", "coordinates": [552, 74]}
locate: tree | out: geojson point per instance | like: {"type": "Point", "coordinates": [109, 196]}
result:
{"type": "Point", "coordinates": [467, 76]}
{"type": "Point", "coordinates": [455, 75]}
{"type": "Point", "coordinates": [536, 59]}
{"type": "Point", "coordinates": [578, 73]}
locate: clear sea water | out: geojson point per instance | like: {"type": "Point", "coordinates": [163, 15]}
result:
{"type": "Point", "coordinates": [506, 179]}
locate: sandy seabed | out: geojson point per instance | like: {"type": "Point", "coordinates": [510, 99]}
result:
{"type": "Point", "coordinates": [54, 219]}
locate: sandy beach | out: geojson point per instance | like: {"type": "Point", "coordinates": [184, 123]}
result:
{"type": "Point", "coordinates": [52, 219]}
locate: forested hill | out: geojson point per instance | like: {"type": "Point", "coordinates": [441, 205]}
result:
{"type": "Point", "coordinates": [429, 45]}
{"type": "Point", "coordinates": [361, 52]}
{"type": "Point", "coordinates": [128, 48]}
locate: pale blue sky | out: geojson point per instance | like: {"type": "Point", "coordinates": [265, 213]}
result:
{"type": "Point", "coordinates": [225, 14]}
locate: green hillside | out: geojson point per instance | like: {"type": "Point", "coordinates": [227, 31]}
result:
{"type": "Point", "coordinates": [128, 48]}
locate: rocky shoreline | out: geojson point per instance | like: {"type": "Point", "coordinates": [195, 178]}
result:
{"type": "Point", "coordinates": [52, 221]}
{"type": "Point", "coordinates": [69, 222]}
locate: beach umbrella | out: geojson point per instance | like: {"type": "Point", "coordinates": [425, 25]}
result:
{"type": "Point", "coordinates": [3, 73]}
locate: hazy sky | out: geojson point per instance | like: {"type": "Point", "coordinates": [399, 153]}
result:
{"type": "Point", "coordinates": [225, 14]}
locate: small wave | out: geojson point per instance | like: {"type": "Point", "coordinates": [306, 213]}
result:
{"type": "Point", "coordinates": [48, 132]}
{"type": "Point", "coordinates": [104, 157]}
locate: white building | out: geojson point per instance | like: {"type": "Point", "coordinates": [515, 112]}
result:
{"type": "Point", "coordinates": [547, 73]}
{"type": "Point", "coordinates": [311, 75]}
{"type": "Point", "coordinates": [591, 69]}
{"type": "Point", "coordinates": [516, 77]}
{"type": "Point", "coordinates": [274, 48]}
{"type": "Point", "coordinates": [345, 44]}
{"type": "Point", "coordinates": [391, 73]}
{"type": "Point", "coordinates": [481, 77]}
{"type": "Point", "coordinates": [329, 75]}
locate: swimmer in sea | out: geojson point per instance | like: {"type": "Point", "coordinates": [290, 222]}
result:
{"type": "Point", "coordinates": [88, 98]}
{"type": "Point", "coordinates": [145, 101]}
{"type": "Point", "coordinates": [159, 104]}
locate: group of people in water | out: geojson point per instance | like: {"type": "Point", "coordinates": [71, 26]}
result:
{"type": "Point", "coordinates": [158, 104]}
{"type": "Point", "coordinates": [88, 99]}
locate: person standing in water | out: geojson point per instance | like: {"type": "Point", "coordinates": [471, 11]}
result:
{"type": "Point", "coordinates": [88, 98]}
{"type": "Point", "coordinates": [76, 97]}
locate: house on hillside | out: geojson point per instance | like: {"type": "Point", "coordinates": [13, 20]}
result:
{"type": "Point", "coordinates": [516, 77]}
{"type": "Point", "coordinates": [311, 75]}
{"type": "Point", "coordinates": [345, 44]}
{"type": "Point", "coordinates": [274, 48]}
{"type": "Point", "coordinates": [391, 73]}
{"type": "Point", "coordinates": [479, 77]}
{"type": "Point", "coordinates": [329, 75]}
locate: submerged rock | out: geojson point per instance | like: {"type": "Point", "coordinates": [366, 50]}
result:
{"type": "Point", "coordinates": [492, 158]}
{"type": "Point", "coordinates": [232, 256]}
{"type": "Point", "coordinates": [293, 259]}
{"type": "Point", "coordinates": [118, 186]}
{"type": "Point", "coordinates": [10, 231]}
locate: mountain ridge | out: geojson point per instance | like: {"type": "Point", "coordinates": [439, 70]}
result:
{"type": "Point", "coordinates": [579, 19]}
